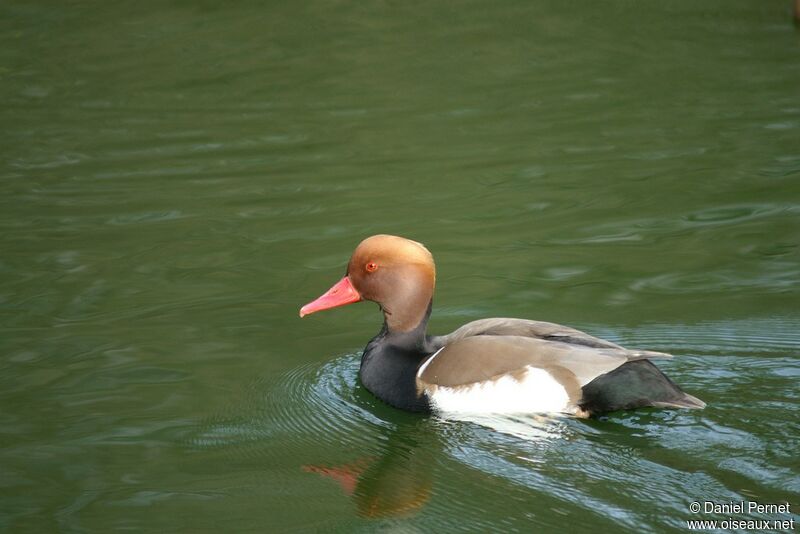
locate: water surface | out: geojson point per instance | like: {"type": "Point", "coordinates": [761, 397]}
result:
{"type": "Point", "coordinates": [176, 179]}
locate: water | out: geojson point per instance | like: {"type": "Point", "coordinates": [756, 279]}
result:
{"type": "Point", "coordinates": [176, 180]}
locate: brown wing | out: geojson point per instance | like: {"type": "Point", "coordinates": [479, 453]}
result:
{"type": "Point", "coordinates": [501, 326]}
{"type": "Point", "coordinates": [468, 359]}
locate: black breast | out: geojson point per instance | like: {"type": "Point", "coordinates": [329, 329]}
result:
{"type": "Point", "coordinates": [389, 372]}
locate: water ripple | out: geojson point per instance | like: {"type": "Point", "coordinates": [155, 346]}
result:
{"type": "Point", "coordinates": [393, 465]}
{"type": "Point", "coordinates": [709, 218]}
{"type": "Point", "coordinates": [307, 405]}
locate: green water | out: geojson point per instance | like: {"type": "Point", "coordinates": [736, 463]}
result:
{"type": "Point", "coordinates": [178, 178]}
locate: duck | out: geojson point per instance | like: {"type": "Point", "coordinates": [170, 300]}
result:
{"type": "Point", "coordinates": [487, 366]}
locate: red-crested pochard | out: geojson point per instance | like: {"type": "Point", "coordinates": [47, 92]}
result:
{"type": "Point", "coordinates": [490, 365]}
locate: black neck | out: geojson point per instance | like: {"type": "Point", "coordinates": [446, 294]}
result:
{"type": "Point", "coordinates": [415, 338]}
{"type": "Point", "coordinates": [390, 362]}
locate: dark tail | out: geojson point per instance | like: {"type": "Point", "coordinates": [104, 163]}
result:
{"type": "Point", "coordinates": [635, 384]}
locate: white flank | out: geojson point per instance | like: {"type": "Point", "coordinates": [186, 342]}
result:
{"type": "Point", "coordinates": [536, 392]}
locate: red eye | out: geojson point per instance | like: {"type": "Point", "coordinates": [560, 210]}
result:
{"type": "Point", "coordinates": [372, 267]}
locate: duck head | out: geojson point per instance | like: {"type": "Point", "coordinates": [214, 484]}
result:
{"type": "Point", "coordinates": [397, 273]}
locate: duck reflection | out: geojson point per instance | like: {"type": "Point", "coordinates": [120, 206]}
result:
{"type": "Point", "coordinates": [400, 481]}
{"type": "Point", "coordinates": [397, 483]}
